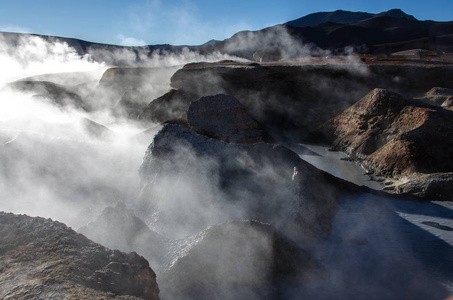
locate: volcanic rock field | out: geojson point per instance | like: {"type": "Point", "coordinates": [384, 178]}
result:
{"type": "Point", "coordinates": [307, 160]}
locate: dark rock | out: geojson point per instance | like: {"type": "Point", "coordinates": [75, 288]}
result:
{"type": "Point", "coordinates": [45, 259]}
{"type": "Point", "coordinates": [118, 228]}
{"type": "Point", "coordinates": [169, 106]}
{"type": "Point", "coordinates": [224, 117]}
{"type": "Point", "coordinates": [236, 260]}
{"type": "Point", "coordinates": [184, 173]}
{"type": "Point", "coordinates": [290, 101]}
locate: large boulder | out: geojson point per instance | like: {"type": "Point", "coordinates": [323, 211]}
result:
{"type": "Point", "coordinates": [224, 117]}
{"type": "Point", "coordinates": [42, 259]}
{"type": "Point", "coordinates": [236, 260]}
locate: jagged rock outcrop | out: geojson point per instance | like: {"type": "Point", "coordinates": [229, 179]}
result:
{"type": "Point", "coordinates": [42, 259]}
{"type": "Point", "coordinates": [185, 173]}
{"type": "Point", "coordinates": [397, 138]}
{"type": "Point", "coordinates": [236, 260]}
{"type": "Point", "coordinates": [119, 228]}
{"type": "Point", "coordinates": [224, 117]}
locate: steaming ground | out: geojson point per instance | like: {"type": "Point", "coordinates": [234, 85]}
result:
{"type": "Point", "coordinates": [70, 165]}
{"type": "Point", "coordinates": [61, 161]}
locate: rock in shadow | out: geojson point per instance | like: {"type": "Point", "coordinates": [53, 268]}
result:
{"type": "Point", "coordinates": [438, 226]}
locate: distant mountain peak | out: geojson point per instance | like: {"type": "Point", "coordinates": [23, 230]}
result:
{"type": "Point", "coordinates": [396, 13]}
{"type": "Point", "coordinates": [345, 17]}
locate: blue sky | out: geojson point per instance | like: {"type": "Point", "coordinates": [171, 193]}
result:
{"type": "Point", "coordinates": [181, 22]}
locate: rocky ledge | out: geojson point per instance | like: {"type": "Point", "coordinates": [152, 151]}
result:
{"type": "Point", "coordinates": [44, 259]}
{"type": "Point", "coordinates": [405, 140]}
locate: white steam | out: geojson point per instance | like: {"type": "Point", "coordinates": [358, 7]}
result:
{"type": "Point", "coordinates": [65, 163]}
{"type": "Point", "coordinates": [33, 55]}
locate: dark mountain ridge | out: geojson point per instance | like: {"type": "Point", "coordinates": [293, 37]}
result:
{"type": "Point", "coordinates": [344, 17]}
{"type": "Point", "coordinates": [382, 33]}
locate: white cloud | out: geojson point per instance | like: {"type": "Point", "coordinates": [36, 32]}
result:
{"type": "Point", "coordinates": [129, 41]}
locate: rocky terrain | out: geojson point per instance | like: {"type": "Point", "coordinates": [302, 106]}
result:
{"type": "Point", "coordinates": [205, 167]}
{"type": "Point", "coordinates": [235, 180]}
{"type": "Point", "coordinates": [402, 139]}
{"type": "Point", "coordinates": [43, 259]}
{"type": "Point", "coordinates": [292, 98]}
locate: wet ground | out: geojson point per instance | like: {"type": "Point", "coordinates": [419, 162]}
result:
{"type": "Point", "coordinates": [381, 247]}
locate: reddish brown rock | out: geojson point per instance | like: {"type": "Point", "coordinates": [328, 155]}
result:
{"type": "Point", "coordinates": [395, 137]}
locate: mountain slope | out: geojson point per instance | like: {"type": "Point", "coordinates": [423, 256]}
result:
{"type": "Point", "coordinates": [386, 32]}
{"type": "Point", "coordinates": [344, 17]}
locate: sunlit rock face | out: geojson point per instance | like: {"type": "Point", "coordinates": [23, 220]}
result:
{"type": "Point", "coordinates": [236, 260]}
{"type": "Point", "coordinates": [398, 138]}
{"type": "Point", "coordinates": [43, 259]}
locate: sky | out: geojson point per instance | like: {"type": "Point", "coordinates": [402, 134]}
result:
{"type": "Point", "coordinates": [181, 22]}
